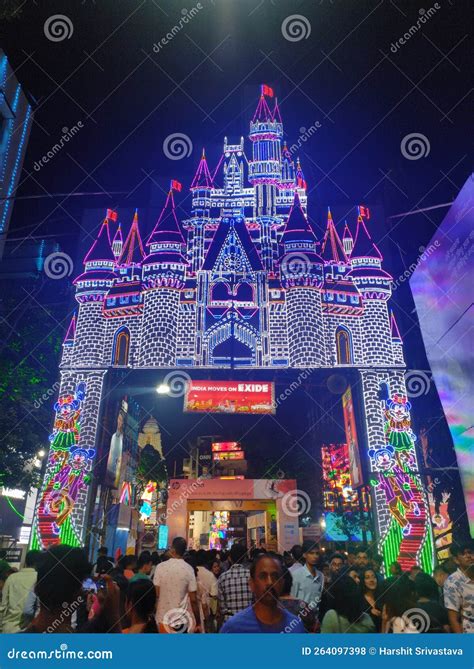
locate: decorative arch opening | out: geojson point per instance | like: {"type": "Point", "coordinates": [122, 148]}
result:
{"type": "Point", "coordinates": [121, 347]}
{"type": "Point", "coordinates": [344, 346]}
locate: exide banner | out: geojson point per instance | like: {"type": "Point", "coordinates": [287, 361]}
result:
{"type": "Point", "coordinates": [230, 397]}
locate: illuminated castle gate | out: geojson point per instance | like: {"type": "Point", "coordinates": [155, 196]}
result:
{"type": "Point", "coordinates": [241, 283]}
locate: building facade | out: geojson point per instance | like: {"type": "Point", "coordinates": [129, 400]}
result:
{"type": "Point", "coordinates": [16, 116]}
{"type": "Point", "coordinates": [242, 283]}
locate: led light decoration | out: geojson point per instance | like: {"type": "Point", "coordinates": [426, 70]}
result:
{"type": "Point", "coordinates": [146, 499]}
{"type": "Point", "coordinates": [408, 537]}
{"type": "Point", "coordinates": [241, 283]}
{"type": "Point", "coordinates": [219, 528]}
{"type": "Point", "coordinates": [67, 474]}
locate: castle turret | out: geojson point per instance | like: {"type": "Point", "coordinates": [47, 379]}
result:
{"type": "Point", "coordinates": [397, 342]}
{"type": "Point", "coordinates": [332, 251]}
{"type": "Point", "coordinates": [201, 188]}
{"type": "Point", "coordinates": [163, 277]}
{"type": "Point", "coordinates": [117, 242]}
{"type": "Point", "coordinates": [374, 284]}
{"type": "Point", "coordinates": [302, 276]}
{"type": "Point", "coordinates": [125, 296]}
{"type": "Point", "coordinates": [68, 343]}
{"type": "Point", "coordinates": [91, 288]}
{"type": "Point", "coordinates": [266, 132]}
{"type": "Point", "coordinates": [301, 185]}
{"type": "Point", "coordinates": [287, 182]}
{"type": "Point", "coordinates": [347, 240]}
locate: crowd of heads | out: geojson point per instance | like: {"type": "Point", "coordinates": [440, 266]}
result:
{"type": "Point", "coordinates": [124, 595]}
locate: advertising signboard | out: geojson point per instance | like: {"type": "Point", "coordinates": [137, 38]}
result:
{"type": "Point", "coordinates": [232, 397]}
{"type": "Point", "coordinates": [351, 438]}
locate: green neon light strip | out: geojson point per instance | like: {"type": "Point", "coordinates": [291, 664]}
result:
{"type": "Point", "coordinates": [10, 503]}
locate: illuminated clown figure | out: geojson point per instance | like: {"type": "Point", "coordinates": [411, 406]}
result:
{"type": "Point", "coordinates": [398, 422]}
{"type": "Point", "coordinates": [396, 485]}
{"type": "Point", "coordinates": [69, 467]}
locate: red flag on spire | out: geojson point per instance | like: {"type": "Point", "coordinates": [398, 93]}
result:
{"type": "Point", "coordinates": [175, 185]}
{"type": "Point", "coordinates": [364, 212]}
{"type": "Point", "coordinates": [266, 90]}
{"type": "Point", "coordinates": [111, 215]}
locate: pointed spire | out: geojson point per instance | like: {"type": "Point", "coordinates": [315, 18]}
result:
{"type": "Point", "coordinates": [395, 332]}
{"type": "Point", "coordinates": [332, 249]}
{"type": "Point", "coordinates": [202, 178]}
{"type": "Point", "coordinates": [364, 247]}
{"type": "Point", "coordinates": [276, 112]}
{"type": "Point", "coordinates": [117, 242]}
{"type": "Point", "coordinates": [167, 228]}
{"type": "Point", "coordinates": [300, 180]}
{"type": "Point", "coordinates": [347, 233]}
{"type": "Point", "coordinates": [262, 113]}
{"type": "Point", "coordinates": [101, 249]}
{"type": "Point", "coordinates": [347, 240]}
{"type": "Point", "coordinates": [297, 227]}
{"type": "Point", "coordinates": [132, 251]}
{"type": "Point", "coordinates": [71, 331]}
{"type": "Point", "coordinates": [285, 153]}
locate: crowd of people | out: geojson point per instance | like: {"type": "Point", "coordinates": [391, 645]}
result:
{"type": "Point", "coordinates": [235, 591]}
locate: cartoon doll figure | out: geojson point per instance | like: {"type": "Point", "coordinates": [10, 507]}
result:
{"type": "Point", "coordinates": [396, 485]}
{"type": "Point", "coordinates": [398, 420]}
{"type": "Point", "coordinates": [63, 485]}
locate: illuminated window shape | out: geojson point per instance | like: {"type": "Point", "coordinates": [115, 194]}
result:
{"type": "Point", "coordinates": [221, 292]}
{"type": "Point", "coordinates": [121, 347]}
{"type": "Point", "coordinates": [343, 346]}
{"type": "Point", "coordinates": [244, 292]}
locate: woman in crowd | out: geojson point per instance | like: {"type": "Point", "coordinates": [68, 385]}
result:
{"type": "Point", "coordinates": [346, 614]}
{"type": "Point", "coordinates": [216, 567]}
{"type": "Point", "coordinates": [140, 604]}
{"type": "Point", "coordinates": [371, 596]}
{"type": "Point", "coordinates": [399, 599]}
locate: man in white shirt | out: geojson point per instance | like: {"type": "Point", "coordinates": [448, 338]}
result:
{"type": "Point", "coordinates": [459, 589]}
{"type": "Point", "coordinates": [15, 592]}
{"type": "Point", "coordinates": [207, 584]}
{"type": "Point", "coordinates": [175, 582]}
{"type": "Point", "coordinates": [297, 555]}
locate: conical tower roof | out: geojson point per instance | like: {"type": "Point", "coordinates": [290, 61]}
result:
{"type": "Point", "coordinates": [332, 249]}
{"type": "Point", "coordinates": [297, 227]}
{"type": "Point", "coordinates": [202, 178]}
{"type": "Point", "coordinates": [101, 249]}
{"type": "Point", "coordinates": [132, 250]}
{"type": "Point", "coordinates": [364, 247]}
{"type": "Point", "coordinates": [167, 228]}
{"type": "Point", "coordinates": [262, 113]}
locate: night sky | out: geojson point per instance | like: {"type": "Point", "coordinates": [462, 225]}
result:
{"type": "Point", "coordinates": [204, 83]}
